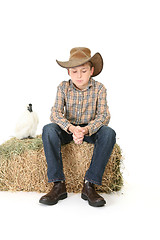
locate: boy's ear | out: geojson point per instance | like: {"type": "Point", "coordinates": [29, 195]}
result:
{"type": "Point", "coordinates": [92, 71]}
{"type": "Point", "coordinates": [68, 71]}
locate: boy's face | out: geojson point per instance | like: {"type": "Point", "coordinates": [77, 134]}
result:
{"type": "Point", "coordinates": [80, 75]}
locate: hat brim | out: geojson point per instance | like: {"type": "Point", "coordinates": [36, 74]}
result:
{"type": "Point", "coordinates": [96, 60]}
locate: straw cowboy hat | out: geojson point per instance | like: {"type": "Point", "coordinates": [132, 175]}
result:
{"type": "Point", "coordinates": [80, 56]}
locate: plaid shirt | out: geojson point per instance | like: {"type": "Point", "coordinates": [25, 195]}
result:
{"type": "Point", "coordinates": [88, 106]}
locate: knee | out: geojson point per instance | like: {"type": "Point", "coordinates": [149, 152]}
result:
{"type": "Point", "coordinates": [49, 128]}
{"type": "Point", "coordinates": [111, 132]}
{"type": "Point", "coordinates": [108, 133]}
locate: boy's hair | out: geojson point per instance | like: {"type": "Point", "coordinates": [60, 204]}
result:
{"type": "Point", "coordinates": [90, 64]}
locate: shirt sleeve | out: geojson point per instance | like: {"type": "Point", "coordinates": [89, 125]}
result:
{"type": "Point", "coordinates": [57, 111]}
{"type": "Point", "coordinates": [102, 113]}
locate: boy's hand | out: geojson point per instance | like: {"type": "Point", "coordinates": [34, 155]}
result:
{"type": "Point", "coordinates": [86, 131]}
{"type": "Point", "coordinates": [78, 133]}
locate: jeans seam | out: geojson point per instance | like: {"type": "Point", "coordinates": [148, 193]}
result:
{"type": "Point", "coordinates": [56, 179]}
{"type": "Point", "coordinates": [93, 181]}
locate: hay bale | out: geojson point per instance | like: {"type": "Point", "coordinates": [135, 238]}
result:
{"type": "Point", "coordinates": [23, 166]}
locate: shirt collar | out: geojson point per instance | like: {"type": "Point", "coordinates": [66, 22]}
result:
{"type": "Point", "coordinates": [72, 86]}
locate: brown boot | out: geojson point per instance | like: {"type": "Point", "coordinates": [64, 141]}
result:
{"type": "Point", "coordinates": [89, 193]}
{"type": "Point", "coordinates": [58, 192]}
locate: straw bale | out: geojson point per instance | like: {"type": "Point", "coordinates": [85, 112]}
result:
{"type": "Point", "coordinates": [23, 166]}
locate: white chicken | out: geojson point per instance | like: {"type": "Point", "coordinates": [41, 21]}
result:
{"type": "Point", "coordinates": [26, 126]}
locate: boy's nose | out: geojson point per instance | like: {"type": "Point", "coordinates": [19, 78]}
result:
{"type": "Point", "coordinates": [79, 74]}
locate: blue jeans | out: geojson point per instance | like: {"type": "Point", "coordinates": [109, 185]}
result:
{"type": "Point", "coordinates": [53, 137]}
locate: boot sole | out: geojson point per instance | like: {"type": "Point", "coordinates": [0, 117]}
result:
{"type": "Point", "coordinates": [47, 202]}
{"type": "Point", "coordinates": [97, 204]}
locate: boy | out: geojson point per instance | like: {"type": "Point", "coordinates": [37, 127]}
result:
{"type": "Point", "coordinates": [80, 113]}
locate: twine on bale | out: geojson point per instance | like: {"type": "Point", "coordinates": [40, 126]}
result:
{"type": "Point", "coordinates": [23, 166]}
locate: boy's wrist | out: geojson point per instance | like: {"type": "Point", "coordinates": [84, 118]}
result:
{"type": "Point", "coordinates": [71, 128]}
{"type": "Point", "coordinates": [86, 130]}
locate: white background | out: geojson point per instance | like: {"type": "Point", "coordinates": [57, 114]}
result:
{"type": "Point", "coordinates": [33, 34]}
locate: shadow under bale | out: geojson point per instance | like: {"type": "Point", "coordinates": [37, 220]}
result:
{"type": "Point", "coordinates": [23, 166]}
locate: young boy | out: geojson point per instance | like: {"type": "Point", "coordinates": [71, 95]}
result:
{"type": "Point", "coordinates": [80, 113]}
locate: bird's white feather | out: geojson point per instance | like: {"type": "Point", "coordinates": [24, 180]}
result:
{"type": "Point", "coordinates": [26, 125]}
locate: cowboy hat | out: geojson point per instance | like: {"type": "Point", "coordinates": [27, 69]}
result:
{"type": "Point", "coordinates": [80, 56]}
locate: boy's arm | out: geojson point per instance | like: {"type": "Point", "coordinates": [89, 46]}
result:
{"type": "Point", "coordinates": [102, 113]}
{"type": "Point", "coordinates": [57, 111]}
